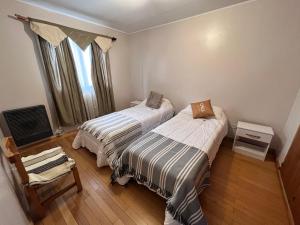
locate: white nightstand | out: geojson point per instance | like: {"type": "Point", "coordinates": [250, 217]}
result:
{"type": "Point", "coordinates": [134, 103]}
{"type": "Point", "coordinates": [252, 140]}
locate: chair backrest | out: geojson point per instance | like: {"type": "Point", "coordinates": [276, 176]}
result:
{"type": "Point", "coordinates": [13, 155]}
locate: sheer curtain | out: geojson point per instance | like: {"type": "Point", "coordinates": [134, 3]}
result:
{"type": "Point", "coordinates": [83, 65]}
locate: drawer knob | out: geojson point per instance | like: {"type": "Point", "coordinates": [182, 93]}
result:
{"type": "Point", "coordinates": [253, 136]}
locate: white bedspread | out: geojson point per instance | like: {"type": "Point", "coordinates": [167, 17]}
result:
{"type": "Point", "coordinates": [204, 134]}
{"type": "Point", "coordinates": [148, 117]}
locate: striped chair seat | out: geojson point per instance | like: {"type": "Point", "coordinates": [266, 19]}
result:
{"type": "Point", "coordinates": [47, 166]}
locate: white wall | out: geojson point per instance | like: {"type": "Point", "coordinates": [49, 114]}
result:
{"type": "Point", "coordinates": [21, 76]}
{"type": "Point", "coordinates": [11, 212]}
{"type": "Point", "coordinates": [291, 127]}
{"type": "Point", "coordinates": [245, 58]}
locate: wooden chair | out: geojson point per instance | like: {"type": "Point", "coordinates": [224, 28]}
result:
{"type": "Point", "coordinates": [37, 207]}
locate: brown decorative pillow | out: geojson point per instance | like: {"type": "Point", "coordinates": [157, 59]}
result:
{"type": "Point", "coordinates": [202, 109]}
{"type": "Point", "coordinates": [154, 100]}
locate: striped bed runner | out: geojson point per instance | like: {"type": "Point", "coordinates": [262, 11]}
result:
{"type": "Point", "coordinates": [47, 166]}
{"type": "Point", "coordinates": [116, 131]}
{"type": "Point", "coordinates": [175, 171]}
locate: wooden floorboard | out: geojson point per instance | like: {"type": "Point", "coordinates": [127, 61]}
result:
{"type": "Point", "coordinates": [243, 191]}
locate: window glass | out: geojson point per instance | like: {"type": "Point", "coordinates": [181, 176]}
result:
{"type": "Point", "coordinates": [83, 64]}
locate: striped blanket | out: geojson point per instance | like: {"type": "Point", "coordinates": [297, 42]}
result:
{"type": "Point", "coordinates": [116, 131]}
{"type": "Point", "coordinates": [47, 166]}
{"type": "Point", "coordinates": [175, 171]}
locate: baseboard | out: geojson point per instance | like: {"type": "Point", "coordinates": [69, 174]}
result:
{"type": "Point", "coordinates": [290, 215]}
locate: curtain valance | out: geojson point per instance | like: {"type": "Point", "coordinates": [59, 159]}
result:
{"type": "Point", "coordinates": [55, 34]}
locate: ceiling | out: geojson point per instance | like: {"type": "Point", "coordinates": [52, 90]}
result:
{"type": "Point", "coordinates": [132, 15]}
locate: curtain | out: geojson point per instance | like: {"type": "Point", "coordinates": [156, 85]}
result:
{"type": "Point", "coordinates": [63, 81]}
{"type": "Point", "coordinates": [83, 64]}
{"type": "Point", "coordinates": [101, 78]}
{"type": "Point", "coordinates": [55, 34]}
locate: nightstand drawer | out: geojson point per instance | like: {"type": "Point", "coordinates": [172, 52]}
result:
{"type": "Point", "coordinates": [254, 135]}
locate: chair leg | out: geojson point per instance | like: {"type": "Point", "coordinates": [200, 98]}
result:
{"type": "Point", "coordinates": [37, 210]}
{"type": "Point", "coordinates": [77, 179]}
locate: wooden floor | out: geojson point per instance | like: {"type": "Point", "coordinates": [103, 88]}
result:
{"type": "Point", "coordinates": [243, 191]}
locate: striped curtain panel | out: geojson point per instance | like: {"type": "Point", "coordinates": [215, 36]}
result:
{"type": "Point", "coordinates": [63, 81]}
{"type": "Point", "coordinates": [101, 78]}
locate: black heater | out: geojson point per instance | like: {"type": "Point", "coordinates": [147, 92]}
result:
{"type": "Point", "coordinates": [28, 124]}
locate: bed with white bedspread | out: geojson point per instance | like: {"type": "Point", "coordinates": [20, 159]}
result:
{"type": "Point", "coordinates": [173, 160]}
{"type": "Point", "coordinates": [107, 136]}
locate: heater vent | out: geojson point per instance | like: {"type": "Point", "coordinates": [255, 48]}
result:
{"type": "Point", "coordinates": [28, 124]}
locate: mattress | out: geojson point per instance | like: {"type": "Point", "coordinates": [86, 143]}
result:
{"type": "Point", "coordinates": [148, 117]}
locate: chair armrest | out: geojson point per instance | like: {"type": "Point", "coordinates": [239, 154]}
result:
{"type": "Point", "coordinates": [10, 150]}
{"type": "Point", "coordinates": [14, 157]}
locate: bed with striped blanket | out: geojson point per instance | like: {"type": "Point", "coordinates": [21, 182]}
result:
{"type": "Point", "coordinates": [173, 160]}
{"type": "Point", "coordinates": [175, 171]}
{"type": "Point", "coordinates": [116, 131]}
{"type": "Point", "coordinates": [109, 135]}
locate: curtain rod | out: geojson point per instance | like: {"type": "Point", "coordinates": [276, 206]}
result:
{"type": "Point", "coordinates": [27, 19]}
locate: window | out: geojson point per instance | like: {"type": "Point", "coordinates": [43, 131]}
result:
{"type": "Point", "coordinates": [83, 64]}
